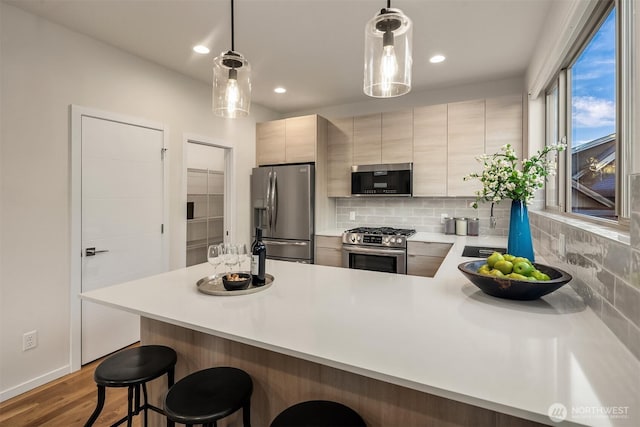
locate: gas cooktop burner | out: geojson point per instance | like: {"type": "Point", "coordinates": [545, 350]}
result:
{"type": "Point", "coordinates": [383, 231]}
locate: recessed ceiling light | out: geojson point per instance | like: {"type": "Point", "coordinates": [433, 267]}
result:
{"type": "Point", "coordinates": [436, 58]}
{"type": "Point", "coordinates": [279, 90]}
{"type": "Point", "coordinates": [201, 49]}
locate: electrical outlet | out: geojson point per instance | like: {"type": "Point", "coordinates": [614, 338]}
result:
{"type": "Point", "coordinates": [29, 340]}
{"type": "Point", "coordinates": [562, 249]}
{"type": "Point", "coordinates": [442, 217]}
{"type": "Point", "coordinates": [352, 215]}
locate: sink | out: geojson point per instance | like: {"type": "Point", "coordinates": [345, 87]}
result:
{"type": "Point", "coordinates": [481, 251]}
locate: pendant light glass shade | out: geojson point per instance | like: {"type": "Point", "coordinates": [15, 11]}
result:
{"type": "Point", "coordinates": [231, 85]}
{"type": "Point", "coordinates": [387, 54]}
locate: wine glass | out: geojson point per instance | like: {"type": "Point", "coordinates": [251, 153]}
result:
{"type": "Point", "coordinates": [244, 257]}
{"type": "Point", "coordinates": [230, 255]}
{"type": "Point", "coordinates": [214, 256]}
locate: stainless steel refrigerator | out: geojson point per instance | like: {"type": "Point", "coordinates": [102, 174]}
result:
{"type": "Point", "coordinates": [282, 204]}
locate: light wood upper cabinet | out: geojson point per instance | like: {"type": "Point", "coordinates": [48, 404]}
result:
{"type": "Point", "coordinates": [367, 140]}
{"type": "Point", "coordinates": [503, 123]}
{"type": "Point", "coordinates": [430, 151]}
{"type": "Point", "coordinates": [270, 142]}
{"type": "Point", "coordinates": [284, 141]}
{"type": "Point", "coordinates": [397, 137]}
{"type": "Point", "coordinates": [466, 130]}
{"type": "Point", "coordinates": [340, 155]}
{"type": "Point", "coordinates": [300, 139]}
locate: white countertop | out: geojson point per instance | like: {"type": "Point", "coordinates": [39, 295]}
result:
{"type": "Point", "coordinates": [439, 335]}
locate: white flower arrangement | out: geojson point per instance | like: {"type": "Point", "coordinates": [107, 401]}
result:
{"type": "Point", "coordinates": [501, 179]}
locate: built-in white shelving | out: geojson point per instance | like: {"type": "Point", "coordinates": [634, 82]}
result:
{"type": "Point", "coordinates": [205, 189]}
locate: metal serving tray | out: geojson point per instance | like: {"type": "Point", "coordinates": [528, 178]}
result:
{"type": "Point", "coordinates": [212, 285]}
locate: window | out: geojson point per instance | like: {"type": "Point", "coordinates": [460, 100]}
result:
{"type": "Point", "coordinates": [584, 109]}
{"type": "Point", "coordinates": [592, 82]}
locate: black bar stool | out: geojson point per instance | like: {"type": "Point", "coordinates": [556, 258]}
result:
{"type": "Point", "coordinates": [133, 368]}
{"type": "Point", "coordinates": [318, 413]}
{"type": "Point", "coordinates": [206, 396]}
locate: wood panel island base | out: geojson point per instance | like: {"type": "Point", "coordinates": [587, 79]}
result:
{"type": "Point", "coordinates": [280, 381]}
{"type": "Point", "coordinates": [401, 350]}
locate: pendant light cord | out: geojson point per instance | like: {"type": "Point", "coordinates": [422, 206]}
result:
{"type": "Point", "coordinates": [388, 4]}
{"type": "Point", "coordinates": [233, 47]}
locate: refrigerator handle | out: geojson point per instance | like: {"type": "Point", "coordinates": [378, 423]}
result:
{"type": "Point", "coordinates": [268, 197]}
{"type": "Point", "coordinates": [274, 199]}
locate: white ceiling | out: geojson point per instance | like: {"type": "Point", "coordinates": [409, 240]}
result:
{"type": "Point", "coordinates": [314, 48]}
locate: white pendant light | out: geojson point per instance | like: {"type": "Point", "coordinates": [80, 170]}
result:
{"type": "Point", "coordinates": [387, 54]}
{"type": "Point", "coordinates": [231, 82]}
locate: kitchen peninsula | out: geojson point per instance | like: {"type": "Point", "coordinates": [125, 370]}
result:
{"type": "Point", "coordinates": [400, 350]}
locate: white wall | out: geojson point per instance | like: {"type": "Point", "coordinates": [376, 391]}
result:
{"type": "Point", "coordinates": [463, 92]}
{"type": "Point", "coordinates": [43, 69]}
{"type": "Point", "coordinates": [204, 157]}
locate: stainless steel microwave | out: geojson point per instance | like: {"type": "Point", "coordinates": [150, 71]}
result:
{"type": "Point", "coordinates": [392, 179]}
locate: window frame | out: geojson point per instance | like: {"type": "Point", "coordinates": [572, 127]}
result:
{"type": "Point", "coordinates": [623, 128]}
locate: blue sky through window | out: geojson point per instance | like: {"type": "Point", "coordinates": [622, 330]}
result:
{"type": "Point", "coordinates": [593, 86]}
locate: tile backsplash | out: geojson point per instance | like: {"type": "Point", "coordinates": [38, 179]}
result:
{"type": "Point", "coordinates": [605, 269]}
{"type": "Point", "coordinates": [423, 214]}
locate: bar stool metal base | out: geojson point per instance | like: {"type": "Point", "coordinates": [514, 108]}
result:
{"type": "Point", "coordinates": [133, 368]}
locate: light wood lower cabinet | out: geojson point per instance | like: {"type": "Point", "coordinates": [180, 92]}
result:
{"type": "Point", "coordinates": [329, 251]}
{"type": "Point", "coordinates": [424, 258]}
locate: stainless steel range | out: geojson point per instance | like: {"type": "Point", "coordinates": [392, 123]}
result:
{"type": "Point", "coordinates": [378, 249]}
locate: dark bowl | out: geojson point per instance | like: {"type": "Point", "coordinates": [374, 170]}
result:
{"type": "Point", "coordinates": [236, 285]}
{"type": "Point", "coordinates": [503, 287]}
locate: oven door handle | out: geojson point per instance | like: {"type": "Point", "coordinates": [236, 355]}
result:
{"type": "Point", "coordinates": [372, 251]}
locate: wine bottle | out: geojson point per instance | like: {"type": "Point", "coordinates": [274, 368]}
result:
{"type": "Point", "coordinates": [258, 259]}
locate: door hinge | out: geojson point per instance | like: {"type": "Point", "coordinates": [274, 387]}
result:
{"type": "Point", "coordinates": [163, 151]}
{"type": "Point", "coordinates": [161, 228]}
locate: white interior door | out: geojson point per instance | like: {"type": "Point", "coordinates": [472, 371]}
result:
{"type": "Point", "coordinates": [122, 215]}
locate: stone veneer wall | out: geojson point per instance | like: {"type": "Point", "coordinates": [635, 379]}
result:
{"type": "Point", "coordinates": [606, 272]}
{"type": "Point", "coordinates": [422, 214]}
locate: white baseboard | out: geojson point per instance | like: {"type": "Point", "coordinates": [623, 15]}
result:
{"type": "Point", "coordinates": [33, 383]}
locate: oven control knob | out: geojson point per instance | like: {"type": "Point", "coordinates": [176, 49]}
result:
{"type": "Point", "coordinates": [353, 238]}
{"type": "Point", "coordinates": [399, 240]}
{"type": "Point", "coordinates": [385, 240]}
{"type": "Point", "coordinates": [358, 238]}
{"type": "Point", "coordinates": [392, 240]}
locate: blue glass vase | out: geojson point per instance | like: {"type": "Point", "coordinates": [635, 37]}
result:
{"type": "Point", "coordinates": [520, 243]}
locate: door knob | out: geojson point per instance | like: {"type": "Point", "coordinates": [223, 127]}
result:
{"type": "Point", "coordinates": [93, 252]}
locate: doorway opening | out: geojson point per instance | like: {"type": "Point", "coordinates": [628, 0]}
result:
{"type": "Point", "coordinates": [208, 175]}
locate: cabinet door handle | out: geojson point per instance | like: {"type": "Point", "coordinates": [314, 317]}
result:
{"type": "Point", "coordinates": [93, 252]}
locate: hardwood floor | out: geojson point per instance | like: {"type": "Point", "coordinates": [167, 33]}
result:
{"type": "Point", "coordinates": [68, 401]}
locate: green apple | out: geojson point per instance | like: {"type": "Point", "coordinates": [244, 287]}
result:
{"type": "Point", "coordinates": [505, 266]}
{"type": "Point", "coordinates": [484, 269]}
{"type": "Point", "coordinates": [539, 275]}
{"type": "Point", "coordinates": [509, 257]}
{"type": "Point", "coordinates": [520, 259]}
{"type": "Point", "coordinates": [523, 268]}
{"type": "Point", "coordinates": [496, 273]}
{"type": "Point", "coordinates": [493, 258]}
{"type": "Point", "coordinates": [517, 276]}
